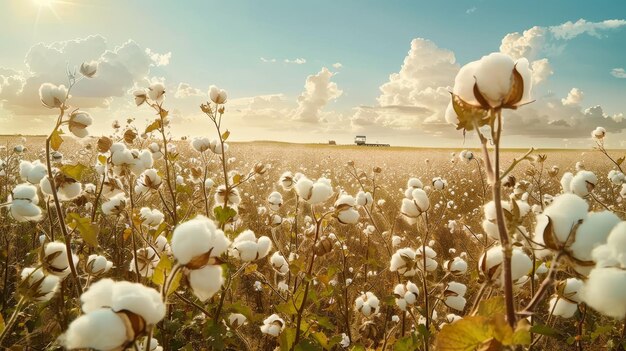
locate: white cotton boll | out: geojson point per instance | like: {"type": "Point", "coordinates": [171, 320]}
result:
{"type": "Point", "coordinates": [115, 205]}
{"type": "Point", "coordinates": [197, 237]}
{"type": "Point", "coordinates": [55, 259]}
{"type": "Point", "coordinates": [99, 294]}
{"type": "Point", "coordinates": [156, 92]}
{"type": "Point", "coordinates": [562, 308]}
{"type": "Point", "coordinates": [491, 261]}
{"type": "Point", "coordinates": [120, 155]}
{"type": "Point", "coordinates": [456, 266]}
{"type": "Point", "coordinates": [566, 181]}
{"type": "Point", "coordinates": [248, 248]}
{"type": "Point", "coordinates": [206, 281]}
{"type": "Point", "coordinates": [583, 183]}
{"type": "Point", "coordinates": [46, 289]}
{"type": "Point", "coordinates": [493, 77]}
{"type": "Point", "coordinates": [450, 115]}
{"type": "Point", "coordinates": [322, 191]}
{"type": "Point", "coordinates": [217, 95]}
{"type": "Point", "coordinates": [593, 232]}
{"type": "Point", "coordinates": [455, 302]}
{"type": "Point", "coordinates": [201, 144]}
{"type": "Point", "coordinates": [235, 320]}
{"type": "Point", "coordinates": [571, 289]}
{"type": "Point", "coordinates": [78, 123]}
{"type": "Point", "coordinates": [616, 244]}
{"type": "Point", "coordinates": [364, 198]}
{"type": "Point", "coordinates": [232, 196]}
{"type": "Point", "coordinates": [161, 244]}
{"type": "Point", "coordinates": [67, 188]}
{"type": "Point", "coordinates": [616, 177]}
{"type": "Point", "coordinates": [32, 172]}
{"type": "Point", "coordinates": [273, 325]}
{"type": "Point", "coordinates": [23, 203]}
{"type": "Point", "coordinates": [275, 201]}
{"type": "Point", "coordinates": [150, 179]}
{"type": "Point", "coordinates": [439, 183]}
{"type": "Point", "coordinates": [346, 212]}
{"type": "Point", "coordinates": [147, 260]}
{"type": "Point", "coordinates": [464, 82]}
{"type": "Point", "coordinates": [286, 181]}
{"type": "Point", "coordinates": [403, 262]}
{"type": "Point", "coordinates": [367, 304]}
{"type": "Point", "coordinates": [97, 264]}
{"type": "Point", "coordinates": [414, 183]}
{"type": "Point", "coordinates": [421, 199]}
{"type": "Point", "coordinates": [598, 133]}
{"type": "Point", "coordinates": [209, 183]}
{"type": "Point", "coordinates": [52, 96]}
{"type": "Point", "coordinates": [102, 329]}
{"type": "Point", "coordinates": [565, 211]}
{"type": "Point", "coordinates": [279, 263]}
{"type": "Point", "coordinates": [139, 299]}
{"type": "Point", "coordinates": [604, 291]}
{"type": "Point", "coordinates": [151, 217]}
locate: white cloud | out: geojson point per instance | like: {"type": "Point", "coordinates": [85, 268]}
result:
{"type": "Point", "coordinates": [570, 30]}
{"type": "Point", "coordinates": [541, 70]}
{"type": "Point", "coordinates": [297, 61]}
{"type": "Point", "coordinates": [271, 60]}
{"type": "Point", "coordinates": [574, 97]}
{"type": "Point", "coordinates": [470, 10]}
{"type": "Point", "coordinates": [159, 59]}
{"type": "Point", "coordinates": [318, 92]}
{"type": "Point", "coordinates": [337, 65]}
{"type": "Point", "coordinates": [185, 90]}
{"type": "Point", "coordinates": [618, 73]}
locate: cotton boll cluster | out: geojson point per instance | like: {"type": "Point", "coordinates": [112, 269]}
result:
{"type": "Point", "coordinates": [273, 325]}
{"type": "Point", "coordinates": [313, 192]}
{"type": "Point", "coordinates": [37, 285]}
{"type": "Point", "coordinates": [78, 123]}
{"type": "Point", "coordinates": [517, 210]}
{"type": "Point", "coordinates": [248, 248]}
{"type": "Point", "coordinates": [217, 95]}
{"type": "Point", "coordinates": [231, 196]}
{"type": "Point", "coordinates": [32, 172]}
{"type": "Point", "coordinates": [454, 294]}
{"type": "Point", "coordinates": [115, 314]}
{"type": "Point", "coordinates": [151, 217]}
{"type": "Point", "coordinates": [367, 304]}
{"type": "Point", "coordinates": [403, 262]}
{"type": "Point", "coordinates": [345, 209]}
{"type": "Point", "coordinates": [197, 244]}
{"type": "Point", "coordinates": [414, 206]}
{"type": "Point", "coordinates": [431, 264]}
{"type": "Point", "coordinates": [565, 302]}
{"type": "Point", "coordinates": [53, 96]}
{"type": "Point", "coordinates": [490, 264]}
{"type": "Point", "coordinates": [406, 295]}
{"type": "Point", "coordinates": [23, 203]}
{"type": "Point", "coordinates": [275, 201]}
{"type": "Point", "coordinates": [97, 265]}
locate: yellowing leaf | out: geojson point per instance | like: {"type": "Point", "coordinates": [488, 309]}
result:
{"type": "Point", "coordinates": [492, 306]}
{"type": "Point", "coordinates": [56, 140]}
{"type": "Point", "coordinates": [464, 335]}
{"type": "Point", "coordinates": [87, 230]}
{"type": "Point", "coordinates": [153, 126]}
{"type": "Point", "coordinates": [225, 135]}
{"type": "Point", "coordinates": [74, 171]}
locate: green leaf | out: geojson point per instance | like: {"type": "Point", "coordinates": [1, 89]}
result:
{"type": "Point", "coordinates": [87, 230]}
{"type": "Point", "coordinates": [2, 325]}
{"type": "Point", "coordinates": [408, 343]}
{"type": "Point", "coordinates": [56, 140]}
{"type": "Point", "coordinates": [287, 338]}
{"type": "Point", "coordinates": [544, 330]}
{"type": "Point", "coordinates": [464, 335]}
{"type": "Point", "coordinates": [74, 171]}
{"type": "Point", "coordinates": [223, 215]}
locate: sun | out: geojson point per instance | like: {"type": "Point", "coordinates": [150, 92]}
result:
{"type": "Point", "coordinates": [44, 3]}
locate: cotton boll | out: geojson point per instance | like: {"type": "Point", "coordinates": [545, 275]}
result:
{"type": "Point", "coordinates": [279, 263]}
{"type": "Point", "coordinates": [248, 248]}
{"type": "Point", "coordinates": [151, 217]}
{"type": "Point", "coordinates": [562, 308]}
{"type": "Point", "coordinates": [235, 320]}
{"type": "Point", "coordinates": [78, 123]}
{"type": "Point", "coordinates": [23, 203]}
{"type": "Point", "coordinates": [367, 304]}
{"type": "Point", "coordinates": [593, 232]}
{"type": "Point", "coordinates": [345, 209]}
{"type": "Point", "coordinates": [490, 263]}
{"type": "Point", "coordinates": [493, 77]}
{"type": "Point", "coordinates": [147, 260]}
{"type": "Point", "coordinates": [286, 181]}
{"type": "Point", "coordinates": [156, 92]}
{"type": "Point", "coordinates": [201, 144]}
{"type": "Point", "coordinates": [115, 205]}
{"type": "Point", "coordinates": [97, 264]}
{"type": "Point", "coordinates": [32, 172]}
{"type": "Point", "coordinates": [273, 325]}
{"type": "Point", "coordinates": [403, 262]}
{"type": "Point", "coordinates": [566, 181]}
{"type": "Point", "coordinates": [604, 291]}
{"type": "Point", "coordinates": [598, 133]}
{"type": "Point", "coordinates": [583, 183]}
{"type": "Point", "coordinates": [217, 95]}
{"type": "Point", "coordinates": [565, 211]}
{"type": "Point", "coordinates": [464, 82]}
{"type": "Point", "coordinates": [232, 196]}
{"type": "Point", "coordinates": [197, 237]}
{"type": "Point", "coordinates": [55, 259]}
{"type": "Point", "coordinates": [102, 329]}
{"type": "Point", "coordinates": [616, 177]}
{"type": "Point", "coordinates": [275, 201]}
{"type": "Point", "coordinates": [364, 198]}
{"type": "Point", "coordinates": [456, 266]}
{"type": "Point", "coordinates": [206, 281]}
{"type": "Point", "coordinates": [44, 290]}
{"type": "Point", "coordinates": [52, 96]}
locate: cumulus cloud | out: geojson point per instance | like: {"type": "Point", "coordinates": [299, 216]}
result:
{"type": "Point", "coordinates": [337, 65]}
{"type": "Point", "coordinates": [319, 90]}
{"type": "Point", "coordinates": [159, 59]}
{"type": "Point", "coordinates": [570, 30]}
{"type": "Point", "coordinates": [185, 90]}
{"type": "Point", "coordinates": [574, 97]}
{"type": "Point", "coordinates": [297, 61]}
{"type": "Point", "coordinates": [541, 70]}
{"type": "Point", "coordinates": [618, 73]}
{"type": "Point", "coordinates": [119, 68]}
{"type": "Point", "coordinates": [271, 60]}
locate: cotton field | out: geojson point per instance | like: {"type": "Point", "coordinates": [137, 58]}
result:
{"type": "Point", "coordinates": [134, 239]}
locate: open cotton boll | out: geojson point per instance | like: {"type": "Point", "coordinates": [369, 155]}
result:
{"type": "Point", "coordinates": [403, 262]}
{"type": "Point", "coordinates": [431, 264]}
{"type": "Point", "coordinates": [67, 188]}
{"type": "Point", "coordinates": [279, 263]}
{"type": "Point", "coordinates": [598, 133]}
{"type": "Point", "coordinates": [32, 172]}
{"type": "Point", "coordinates": [235, 320]}
{"type": "Point", "coordinates": [367, 304]}
{"type": "Point", "coordinates": [78, 123]}
{"type": "Point", "coordinates": [156, 92]}
{"type": "Point", "coordinates": [314, 192]}
{"type": "Point", "coordinates": [201, 144]}
{"type": "Point", "coordinates": [604, 291]}
{"type": "Point", "coordinates": [454, 296]}
{"type": "Point", "coordinates": [147, 260]}
{"type": "Point", "coordinates": [150, 179]}
{"type": "Point", "coordinates": [345, 209]}
{"type": "Point", "coordinates": [616, 244]}
{"type": "Point", "coordinates": [52, 96]}
{"type": "Point", "coordinates": [464, 82]}
{"type": "Point", "coordinates": [493, 77]}
{"type": "Point", "coordinates": [97, 264]}
{"type": "Point", "coordinates": [286, 181]}
{"type": "Point", "coordinates": [456, 266]}
{"type": "Point", "coordinates": [593, 232]}
{"type": "Point", "coordinates": [142, 160]}
{"type": "Point", "coordinates": [120, 155]}
{"type": "Point", "coordinates": [55, 259]}
{"type": "Point", "coordinates": [23, 203]}
{"type": "Point", "coordinates": [364, 198]}
{"type": "Point", "coordinates": [206, 281]}
{"type": "Point", "coordinates": [562, 308]}
{"type": "Point", "coordinates": [139, 299]}
{"type": "Point", "coordinates": [232, 196]}
{"type": "Point", "coordinates": [583, 183]}
{"type": "Point", "coordinates": [101, 329]}
{"type": "Point", "coordinates": [616, 177]}
{"type": "Point", "coordinates": [439, 183]}
{"type": "Point", "coordinates": [45, 290]}
{"type": "Point", "coordinates": [490, 264]}
{"type": "Point", "coordinates": [115, 205]}
{"type": "Point", "coordinates": [273, 325]}
{"type": "Point", "coordinates": [151, 217]}
{"type": "Point", "coordinates": [217, 95]}
{"type": "Point", "coordinates": [414, 183]}
{"type": "Point", "coordinates": [275, 201]}
{"type": "Point", "coordinates": [98, 295]}
{"type": "Point", "coordinates": [248, 248]}
{"type": "Point", "coordinates": [197, 237]}
{"type": "Point", "coordinates": [565, 211]}
{"type": "Point", "coordinates": [566, 181]}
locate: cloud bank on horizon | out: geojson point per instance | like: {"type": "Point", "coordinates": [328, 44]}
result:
{"type": "Point", "coordinates": [410, 103]}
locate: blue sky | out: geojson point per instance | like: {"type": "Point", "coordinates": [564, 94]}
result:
{"type": "Point", "coordinates": [222, 42]}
